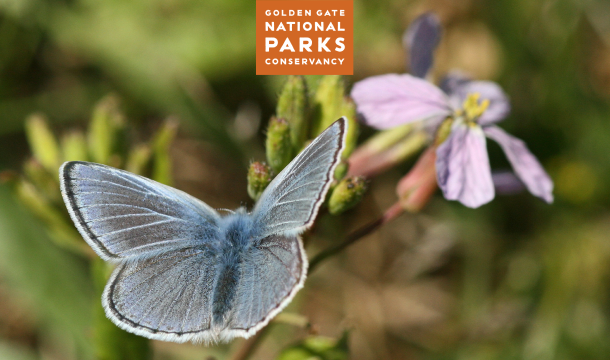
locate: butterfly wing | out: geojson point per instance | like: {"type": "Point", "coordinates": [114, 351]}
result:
{"type": "Point", "coordinates": [122, 215]}
{"type": "Point", "coordinates": [171, 283]}
{"type": "Point", "coordinates": [272, 273]}
{"type": "Point", "coordinates": [167, 297]}
{"type": "Point", "coordinates": [175, 296]}
{"type": "Point", "coordinates": [290, 203]}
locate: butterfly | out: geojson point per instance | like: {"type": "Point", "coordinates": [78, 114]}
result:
{"type": "Point", "coordinates": [186, 273]}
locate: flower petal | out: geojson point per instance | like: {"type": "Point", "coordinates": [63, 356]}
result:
{"type": "Point", "coordinates": [458, 86]}
{"type": "Point", "coordinates": [420, 40]}
{"type": "Point", "coordinates": [462, 166]}
{"type": "Point", "coordinates": [452, 81]}
{"type": "Point", "coordinates": [525, 164]}
{"type": "Point", "coordinates": [507, 183]}
{"type": "Point", "coordinates": [390, 100]}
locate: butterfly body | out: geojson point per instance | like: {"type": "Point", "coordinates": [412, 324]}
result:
{"type": "Point", "coordinates": [238, 242]}
{"type": "Point", "coordinates": [186, 273]}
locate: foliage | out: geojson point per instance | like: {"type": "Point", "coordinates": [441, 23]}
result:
{"type": "Point", "coordinates": [38, 189]}
{"type": "Point", "coordinates": [516, 279]}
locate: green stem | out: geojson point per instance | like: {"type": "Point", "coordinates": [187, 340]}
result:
{"type": "Point", "coordinates": [390, 214]}
{"type": "Point", "coordinates": [249, 346]}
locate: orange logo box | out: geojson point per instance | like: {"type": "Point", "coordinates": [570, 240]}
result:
{"type": "Point", "coordinates": [304, 37]}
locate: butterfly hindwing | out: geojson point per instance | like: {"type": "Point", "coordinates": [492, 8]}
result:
{"type": "Point", "coordinates": [167, 297]}
{"type": "Point", "coordinates": [122, 215]}
{"type": "Point", "coordinates": [175, 296]}
{"type": "Point", "coordinates": [272, 273]}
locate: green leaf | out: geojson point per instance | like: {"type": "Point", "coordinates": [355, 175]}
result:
{"type": "Point", "coordinates": [106, 122]}
{"type": "Point", "coordinates": [162, 166]}
{"type": "Point", "coordinates": [53, 281]}
{"type": "Point", "coordinates": [318, 348]}
{"type": "Point", "coordinates": [110, 341]}
{"type": "Point", "coordinates": [60, 230]}
{"type": "Point", "coordinates": [42, 142]}
{"type": "Point", "coordinates": [10, 351]}
{"type": "Point", "coordinates": [74, 146]}
{"type": "Point", "coordinates": [138, 159]}
{"type": "Point", "coordinates": [47, 184]}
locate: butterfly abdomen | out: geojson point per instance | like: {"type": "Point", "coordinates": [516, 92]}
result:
{"type": "Point", "coordinates": [236, 241]}
{"type": "Point", "coordinates": [226, 287]}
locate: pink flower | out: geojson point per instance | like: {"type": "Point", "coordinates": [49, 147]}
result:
{"type": "Point", "coordinates": [471, 108]}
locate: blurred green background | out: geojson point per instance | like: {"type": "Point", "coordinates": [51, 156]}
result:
{"type": "Point", "coordinates": [515, 279]}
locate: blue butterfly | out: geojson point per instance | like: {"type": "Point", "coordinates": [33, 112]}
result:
{"type": "Point", "coordinates": [185, 273]}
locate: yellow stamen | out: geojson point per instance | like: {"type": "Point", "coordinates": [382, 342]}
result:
{"type": "Point", "coordinates": [473, 108]}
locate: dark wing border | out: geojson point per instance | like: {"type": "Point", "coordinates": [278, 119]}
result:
{"type": "Point", "coordinates": [264, 206]}
{"type": "Point", "coordinates": [65, 184]}
{"type": "Point", "coordinates": [69, 197]}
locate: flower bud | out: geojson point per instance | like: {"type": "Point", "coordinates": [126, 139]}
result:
{"type": "Point", "coordinates": [328, 103]}
{"type": "Point", "coordinates": [106, 121]}
{"type": "Point", "coordinates": [292, 105]}
{"type": "Point", "coordinates": [42, 180]}
{"type": "Point", "coordinates": [385, 139]}
{"type": "Point", "coordinates": [347, 194]}
{"type": "Point", "coordinates": [385, 150]}
{"type": "Point", "coordinates": [74, 146]}
{"type": "Point", "coordinates": [162, 165]}
{"type": "Point", "coordinates": [42, 142]}
{"type": "Point", "coordinates": [443, 131]}
{"type": "Point", "coordinates": [259, 176]}
{"type": "Point", "coordinates": [138, 159]}
{"type": "Point", "coordinates": [415, 189]}
{"type": "Point", "coordinates": [278, 145]}
{"type": "Point", "coordinates": [348, 109]}
{"type": "Point", "coordinates": [341, 170]}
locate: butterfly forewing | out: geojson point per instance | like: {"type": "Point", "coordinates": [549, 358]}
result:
{"type": "Point", "coordinates": [123, 215]}
{"type": "Point", "coordinates": [291, 201]}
